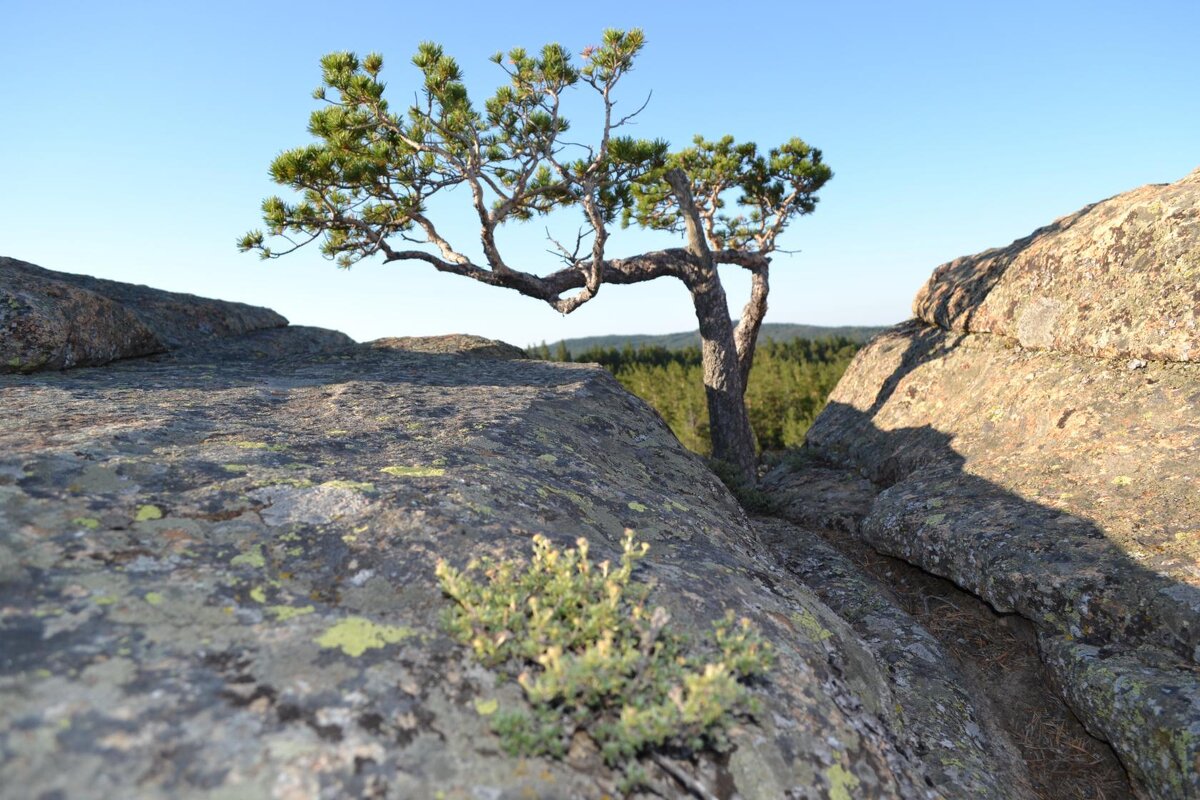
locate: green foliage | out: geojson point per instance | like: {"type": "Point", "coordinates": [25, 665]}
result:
{"type": "Point", "coordinates": [788, 386]}
{"type": "Point", "coordinates": [371, 171]}
{"type": "Point", "coordinates": [593, 656]}
{"type": "Point", "coordinates": [771, 190]}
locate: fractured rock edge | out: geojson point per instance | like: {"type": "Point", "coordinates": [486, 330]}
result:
{"type": "Point", "coordinates": [928, 702]}
{"type": "Point", "coordinates": [1118, 279]}
{"type": "Point", "coordinates": [955, 512]}
{"type": "Point", "coordinates": [57, 320]}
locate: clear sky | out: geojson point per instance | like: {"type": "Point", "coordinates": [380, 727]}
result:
{"type": "Point", "coordinates": [135, 138]}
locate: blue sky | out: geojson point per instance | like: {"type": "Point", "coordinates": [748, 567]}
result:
{"type": "Point", "coordinates": [136, 139]}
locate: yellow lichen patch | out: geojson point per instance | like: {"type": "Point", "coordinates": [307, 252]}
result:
{"type": "Point", "coordinates": [935, 519]}
{"type": "Point", "coordinates": [638, 507]}
{"type": "Point", "coordinates": [1122, 480]}
{"type": "Point", "coordinates": [236, 468]}
{"type": "Point", "coordinates": [284, 613]}
{"type": "Point", "coordinates": [91, 523]}
{"type": "Point", "coordinates": [549, 459]}
{"type": "Point", "coordinates": [842, 782]}
{"type": "Point", "coordinates": [153, 598]}
{"type": "Point", "coordinates": [106, 600]}
{"type": "Point", "coordinates": [414, 472]}
{"type": "Point", "coordinates": [251, 558]}
{"type": "Point", "coordinates": [258, 594]}
{"type": "Point", "coordinates": [336, 433]}
{"type": "Point", "coordinates": [147, 512]}
{"type": "Point", "coordinates": [258, 446]}
{"type": "Point", "coordinates": [356, 486]}
{"type": "Point", "coordinates": [486, 708]}
{"type": "Point", "coordinates": [811, 626]}
{"type": "Point", "coordinates": [356, 635]}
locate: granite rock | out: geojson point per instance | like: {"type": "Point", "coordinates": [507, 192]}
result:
{"type": "Point", "coordinates": [216, 578]}
{"type": "Point", "coordinates": [57, 320]}
{"type": "Point", "coordinates": [1118, 279]}
{"type": "Point", "coordinates": [1033, 437]}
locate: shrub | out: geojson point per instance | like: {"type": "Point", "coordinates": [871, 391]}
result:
{"type": "Point", "coordinates": [591, 655]}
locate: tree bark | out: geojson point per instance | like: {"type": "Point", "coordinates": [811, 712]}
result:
{"type": "Point", "coordinates": [729, 425]}
{"type": "Point", "coordinates": [745, 336]}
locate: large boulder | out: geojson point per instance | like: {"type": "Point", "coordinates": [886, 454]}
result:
{"type": "Point", "coordinates": [1033, 437]}
{"type": "Point", "coordinates": [217, 579]}
{"type": "Point", "coordinates": [1119, 279]}
{"type": "Point", "coordinates": [57, 320]}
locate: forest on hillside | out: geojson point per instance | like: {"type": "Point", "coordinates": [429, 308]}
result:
{"type": "Point", "coordinates": [788, 384]}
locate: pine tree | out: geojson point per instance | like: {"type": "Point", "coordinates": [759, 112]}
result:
{"type": "Point", "coordinates": [365, 184]}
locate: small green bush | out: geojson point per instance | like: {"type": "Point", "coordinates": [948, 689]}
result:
{"type": "Point", "coordinates": [592, 656]}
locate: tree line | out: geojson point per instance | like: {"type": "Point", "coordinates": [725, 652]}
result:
{"type": "Point", "coordinates": [788, 385]}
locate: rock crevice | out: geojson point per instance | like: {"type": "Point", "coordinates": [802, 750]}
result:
{"type": "Point", "coordinates": [1033, 437]}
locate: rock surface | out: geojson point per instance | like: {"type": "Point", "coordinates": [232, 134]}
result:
{"type": "Point", "coordinates": [55, 320]}
{"type": "Point", "coordinates": [216, 579]}
{"type": "Point", "coordinates": [1118, 279]}
{"type": "Point", "coordinates": [1046, 480]}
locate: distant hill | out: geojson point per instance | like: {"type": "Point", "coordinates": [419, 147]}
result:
{"type": "Point", "coordinates": [779, 331]}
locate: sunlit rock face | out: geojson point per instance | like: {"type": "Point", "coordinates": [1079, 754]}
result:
{"type": "Point", "coordinates": [217, 578]}
{"type": "Point", "coordinates": [1034, 436]}
{"type": "Point", "coordinates": [1118, 279]}
{"type": "Point", "coordinates": [57, 320]}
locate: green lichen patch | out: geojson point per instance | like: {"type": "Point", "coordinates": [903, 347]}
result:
{"type": "Point", "coordinates": [354, 486]}
{"type": "Point", "coordinates": [638, 507]}
{"type": "Point", "coordinates": [275, 448]}
{"type": "Point", "coordinates": [593, 656]}
{"type": "Point", "coordinates": [414, 472]}
{"type": "Point", "coordinates": [807, 622]}
{"type": "Point", "coordinates": [284, 613]}
{"type": "Point", "coordinates": [146, 513]}
{"type": "Point", "coordinates": [356, 635]}
{"type": "Point", "coordinates": [842, 783]}
{"type": "Point", "coordinates": [91, 523]}
{"type": "Point", "coordinates": [251, 558]}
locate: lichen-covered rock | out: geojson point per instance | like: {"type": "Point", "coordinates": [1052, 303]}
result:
{"type": "Point", "coordinates": [457, 343]}
{"type": "Point", "coordinates": [216, 578]}
{"type": "Point", "coordinates": [57, 320]}
{"type": "Point", "coordinates": [1053, 485]}
{"type": "Point", "coordinates": [1048, 481]}
{"type": "Point", "coordinates": [1120, 278]}
{"type": "Point", "coordinates": [928, 701]}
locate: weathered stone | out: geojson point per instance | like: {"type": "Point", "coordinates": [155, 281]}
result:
{"type": "Point", "coordinates": [219, 579]}
{"type": "Point", "coordinates": [1055, 485]}
{"type": "Point", "coordinates": [49, 324]}
{"type": "Point", "coordinates": [1120, 278]}
{"type": "Point", "coordinates": [56, 320]}
{"type": "Point", "coordinates": [1045, 480]}
{"type": "Point", "coordinates": [925, 697]}
{"type": "Point", "coordinates": [457, 343]}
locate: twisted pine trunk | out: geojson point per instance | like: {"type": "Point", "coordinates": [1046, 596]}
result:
{"type": "Point", "coordinates": [729, 425]}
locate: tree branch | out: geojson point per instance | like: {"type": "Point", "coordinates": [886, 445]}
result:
{"type": "Point", "coordinates": [745, 335]}
{"type": "Point", "coordinates": [697, 244]}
